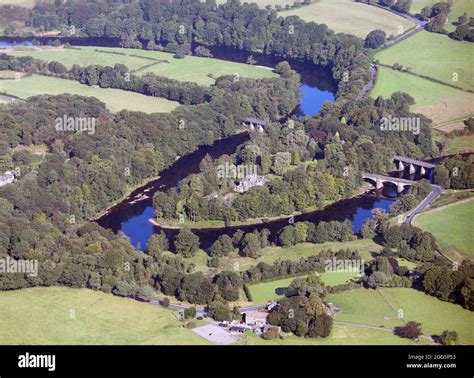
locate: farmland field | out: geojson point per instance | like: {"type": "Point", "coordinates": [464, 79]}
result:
{"type": "Point", "coordinates": [418, 5]}
{"type": "Point", "coordinates": [268, 291]}
{"type": "Point", "coordinates": [369, 307]}
{"type": "Point", "coordinates": [191, 68]}
{"type": "Point", "coordinates": [347, 16]}
{"type": "Point", "coordinates": [45, 316]}
{"type": "Point", "coordinates": [459, 144]}
{"type": "Point", "coordinates": [433, 55]}
{"type": "Point", "coordinates": [446, 106]}
{"type": "Point", "coordinates": [365, 247]}
{"type": "Point", "coordinates": [115, 99]}
{"type": "Point", "coordinates": [451, 225]}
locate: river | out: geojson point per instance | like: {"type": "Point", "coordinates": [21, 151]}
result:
{"type": "Point", "coordinates": [132, 215]}
{"type": "Point", "coordinates": [317, 87]}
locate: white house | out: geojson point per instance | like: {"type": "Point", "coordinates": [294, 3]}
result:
{"type": "Point", "coordinates": [7, 178]}
{"type": "Point", "coordinates": [249, 182]}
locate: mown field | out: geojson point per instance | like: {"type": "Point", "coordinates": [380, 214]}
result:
{"type": "Point", "coordinates": [43, 316]}
{"type": "Point", "coordinates": [458, 144]}
{"type": "Point", "coordinates": [341, 334]}
{"type": "Point", "coordinates": [433, 55]}
{"type": "Point", "coordinates": [451, 225]}
{"type": "Point", "coordinates": [191, 68]}
{"type": "Point", "coordinates": [458, 8]}
{"type": "Point", "coordinates": [115, 99]}
{"type": "Point", "coordinates": [268, 291]}
{"type": "Point", "coordinates": [367, 248]}
{"type": "Point", "coordinates": [446, 106]}
{"type": "Point", "coordinates": [347, 16]}
{"type": "Point", "coordinates": [380, 308]}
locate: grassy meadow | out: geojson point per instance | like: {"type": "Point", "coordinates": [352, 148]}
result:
{"type": "Point", "coordinates": [44, 316]}
{"type": "Point", "coordinates": [446, 106]}
{"type": "Point", "coordinates": [347, 16]}
{"type": "Point", "coordinates": [380, 308]}
{"type": "Point", "coordinates": [458, 8]}
{"type": "Point", "coordinates": [367, 248]}
{"type": "Point", "coordinates": [451, 225]}
{"type": "Point", "coordinates": [191, 68]}
{"type": "Point", "coordinates": [433, 55]}
{"type": "Point", "coordinates": [115, 99]}
{"type": "Point", "coordinates": [268, 291]}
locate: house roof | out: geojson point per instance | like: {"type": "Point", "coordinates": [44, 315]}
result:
{"type": "Point", "coordinates": [256, 315]}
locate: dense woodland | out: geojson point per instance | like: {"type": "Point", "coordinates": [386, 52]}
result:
{"type": "Point", "coordinates": [342, 141]}
{"type": "Point", "coordinates": [43, 210]}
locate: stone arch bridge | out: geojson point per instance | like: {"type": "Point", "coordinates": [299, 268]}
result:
{"type": "Point", "coordinates": [378, 181]}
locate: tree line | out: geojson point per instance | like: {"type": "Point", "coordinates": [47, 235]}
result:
{"type": "Point", "coordinates": [180, 24]}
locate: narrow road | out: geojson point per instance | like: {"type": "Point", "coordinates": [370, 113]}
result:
{"type": "Point", "coordinates": [429, 199]}
{"type": "Point", "coordinates": [419, 25]}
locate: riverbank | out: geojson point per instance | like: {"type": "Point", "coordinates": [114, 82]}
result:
{"type": "Point", "coordinates": [219, 224]}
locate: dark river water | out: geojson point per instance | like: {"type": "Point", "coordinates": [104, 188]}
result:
{"type": "Point", "coordinates": [317, 87]}
{"type": "Point", "coordinates": [132, 215]}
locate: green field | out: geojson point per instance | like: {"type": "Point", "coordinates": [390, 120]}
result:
{"type": "Point", "coordinates": [446, 106]}
{"type": "Point", "coordinates": [418, 5]}
{"type": "Point", "coordinates": [460, 144]}
{"type": "Point", "coordinates": [115, 99]}
{"type": "Point", "coordinates": [369, 307]}
{"type": "Point", "coordinates": [433, 55]}
{"type": "Point", "coordinates": [451, 225]}
{"type": "Point", "coordinates": [458, 8]}
{"type": "Point", "coordinates": [268, 291]}
{"type": "Point", "coordinates": [409, 264]}
{"type": "Point", "coordinates": [191, 68]}
{"type": "Point", "coordinates": [347, 16]}
{"type": "Point", "coordinates": [42, 316]}
{"type": "Point", "coordinates": [366, 248]}
{"type": "Point", "coordinates": [341, 334]}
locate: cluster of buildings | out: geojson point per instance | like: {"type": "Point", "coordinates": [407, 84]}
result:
{"type": "Point", "coordinates": [7, 178]}
{"type": "Point", "coordinates": [255, 321]}
{"type": "Point", "coordinates": [249, 182]}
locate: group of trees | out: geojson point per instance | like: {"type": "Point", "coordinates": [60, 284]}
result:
{"type": "Point", "coordinates": [409, 201]}
{"type": "Point", "coordinates": [303, 314]}
{"type": "Point", "coordinates": [434, 273]}
{"type": "Point", "coordinates": [455, 172]}
{"type": "Point", "coordinates": [284, 268]}
{"type": "Point", "coordinates": [118, 77]}
{"type": "Point", "coordinates": [321, 232]}
{"type": "Point", "coordinates": [449, 282]}
{"type": "Point", "coordinates": [44, 211]}
{"type": "Point", "coordinates": [386, 272]}
{"type": "Point", "coordinates": [345, 140]}
{"type": "Point", "coordinates": [182, 23]}
{"type": "Point", "coordinates": [438, 17]}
